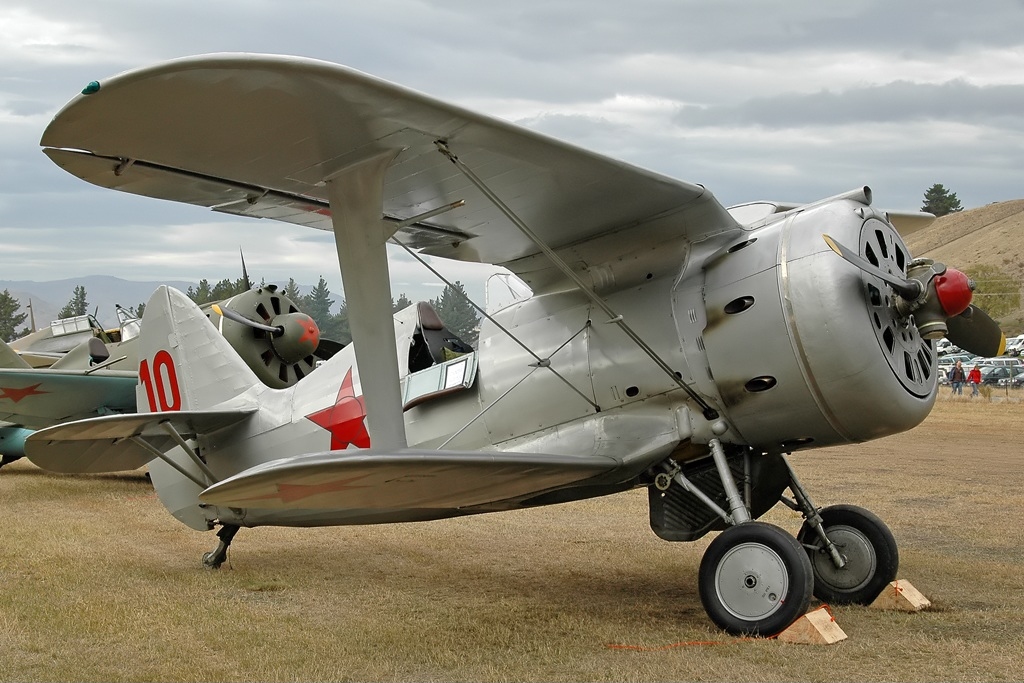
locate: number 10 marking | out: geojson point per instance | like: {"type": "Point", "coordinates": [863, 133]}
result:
{"type": "Point", "coordinates": [166, 379]}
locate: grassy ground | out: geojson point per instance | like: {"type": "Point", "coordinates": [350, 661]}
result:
{"type": "Point", "coordinates": [99, 583]}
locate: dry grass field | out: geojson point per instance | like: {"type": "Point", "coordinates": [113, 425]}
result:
{"type": "Point", "coordinates": [97, 582]}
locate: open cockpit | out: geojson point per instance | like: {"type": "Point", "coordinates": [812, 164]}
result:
{"type": "Point", "coordinates": [439, 362]}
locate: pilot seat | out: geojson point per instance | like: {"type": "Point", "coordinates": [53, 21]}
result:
{"type": "Point", "coordinates": [433, 342]}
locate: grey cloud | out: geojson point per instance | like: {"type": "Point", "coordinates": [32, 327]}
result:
{"type": "Point", "coordinates": [767, 165]}
{"type": "Point", "coordinates": [541, 48]}
{"type": "Point", "coordinates": [551, 53]}
{"type": "Point", "coordinates": [894, 102]}
{"type": "Point", "coordinates": [699, 27]}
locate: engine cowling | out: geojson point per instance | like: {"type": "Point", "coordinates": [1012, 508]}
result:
{"type": "Point", "coordinates": [279, 361]}
{"type": "Point", "coordinates": [805, 348]}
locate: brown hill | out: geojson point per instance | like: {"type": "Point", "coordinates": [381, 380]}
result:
{"type": "Point", "coordinates": [990, 235]}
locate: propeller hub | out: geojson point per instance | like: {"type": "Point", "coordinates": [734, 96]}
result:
{"type": "Point", "coordinates": [298, 337]}
{"type": "Point", "coordinates": [954, 291]}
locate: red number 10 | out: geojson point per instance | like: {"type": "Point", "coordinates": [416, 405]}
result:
{"type": "Point", "coordinates": [165, 377]}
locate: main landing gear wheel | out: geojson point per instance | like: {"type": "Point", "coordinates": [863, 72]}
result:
{"type": "Point", "coordinates": [867, 546]}
{"type": "Point", "coordinates": [755, 579]}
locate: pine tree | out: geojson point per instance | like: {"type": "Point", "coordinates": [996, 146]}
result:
{"type": "Point", "coordinates": [402, 303]}
{"type": "Point", "coordinates": [940, 201]}
{"type": "Point", "coordinates": [226, 288]}
{"type": "Point", "coordinates": [291, 290]}
{"type": "Point", "coordinates": [341, 329]}
{"type": "Point", "coordinates": [317, 304]}
{"type": "Point", "coordinates": [9, 316]}
{"type": "Point", "coordinates": [78, 305]}
{"type": "Point", "coordinates": [202, 294]}
{"type": "Point", "coordinates": [458, 314]}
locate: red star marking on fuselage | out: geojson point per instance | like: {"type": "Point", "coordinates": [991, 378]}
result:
{"type": "Point", "coordinates": [18, 394]}
{"type": "Point", "coordinates": [345, 420]}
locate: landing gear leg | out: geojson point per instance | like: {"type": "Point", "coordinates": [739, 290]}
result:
{"type": "Point", "coordinates": [852, 552]}
{"type": "Point", "coordinates": [755, 578]}
{"type": "Point", "coordinates": [215, 558]}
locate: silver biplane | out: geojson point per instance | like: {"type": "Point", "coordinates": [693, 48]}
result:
{"type": "Point", "coordinates": [669, 343]}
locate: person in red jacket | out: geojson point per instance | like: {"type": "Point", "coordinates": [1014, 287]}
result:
{"type": "Point", "coordinates": [974, 379]}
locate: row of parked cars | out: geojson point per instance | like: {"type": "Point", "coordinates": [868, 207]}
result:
{"type": "Point", "coordinates": [1001, 371]}
{"type": "Point", "coordinates": [1014, 346]}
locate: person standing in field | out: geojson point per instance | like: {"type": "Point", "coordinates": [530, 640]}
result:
{"type": "Point", "coordinates": [957, 376]}
{"type": "Point", "coordinates": [974, 379]}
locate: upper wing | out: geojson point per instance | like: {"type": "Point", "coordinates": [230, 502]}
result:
{"type": "Point", "coordinates": [410, 479]}
{"type": "Point", "coordinates": [258, 135]}
{"type": "Point", "coordinates": [42, 397]}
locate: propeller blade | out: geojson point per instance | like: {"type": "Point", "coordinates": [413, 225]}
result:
{"type": "Point", "coordinates": [975, 332]}
{"type": "Point", "coordinates": [239, 318]}
{"type": "Point", "coordinates": [908, 289]}
{"type": "Point", "coordinates": [327, 348]}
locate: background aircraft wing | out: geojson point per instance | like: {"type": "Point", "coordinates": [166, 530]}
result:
{"type": "Point", "coordinates": [9, 358]}
{"type": "Point", "coordinates": [105, 444]}
{"type": "Point", "coordinates": [411, 479]}
{"type": "Point", "coordinates": [257, 135]}
{"type": "Point", "coordinates": [42, 397]}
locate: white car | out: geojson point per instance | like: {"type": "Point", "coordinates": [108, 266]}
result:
{"type": "Point", "coordinates": [1001, 361]}
{"type": "Point", "coordinates": [1014, 345]}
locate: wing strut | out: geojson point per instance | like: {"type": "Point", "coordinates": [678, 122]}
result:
{"type": "Point", "coordinates": [192, 454]}
{"type": "Point", "coordinates": [157, 453]}
{"type": "Point", "coordinates": [360, 234]}
{"type": "Point", "coordinates": [541, 362]}
{"type": "Point", "coordinates": [442, 146]}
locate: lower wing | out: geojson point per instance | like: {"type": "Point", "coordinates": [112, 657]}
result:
{"type": "Point", "coordinates": [408, 479]}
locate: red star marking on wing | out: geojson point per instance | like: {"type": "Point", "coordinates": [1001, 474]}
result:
{"type": "Point", "coordinates": [18, 394]}
{"type": "Point", "coordinates": [345, 420]}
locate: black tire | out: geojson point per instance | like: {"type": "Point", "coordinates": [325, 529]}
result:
{"type": "Point", "coordinates": [755, 579]}
{"type": "Point", "coordinates": [868, 547]}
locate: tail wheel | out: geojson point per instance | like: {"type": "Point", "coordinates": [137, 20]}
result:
{"type": "Point", "coordinates": [755, 579]}
{"type": "Point", "coordinates": [866, 544]}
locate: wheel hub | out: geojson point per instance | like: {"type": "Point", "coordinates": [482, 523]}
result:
{"type": "Point", "coordinates": [861, 561]}
{"type": "Point", "coordinates": [751, 581]}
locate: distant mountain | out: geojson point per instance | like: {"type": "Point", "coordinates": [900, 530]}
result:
{"type": "Point", "coordinates": [102, 292]}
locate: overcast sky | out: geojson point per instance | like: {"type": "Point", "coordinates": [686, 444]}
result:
{"type": "Point", "coordinates": [790, 100]}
